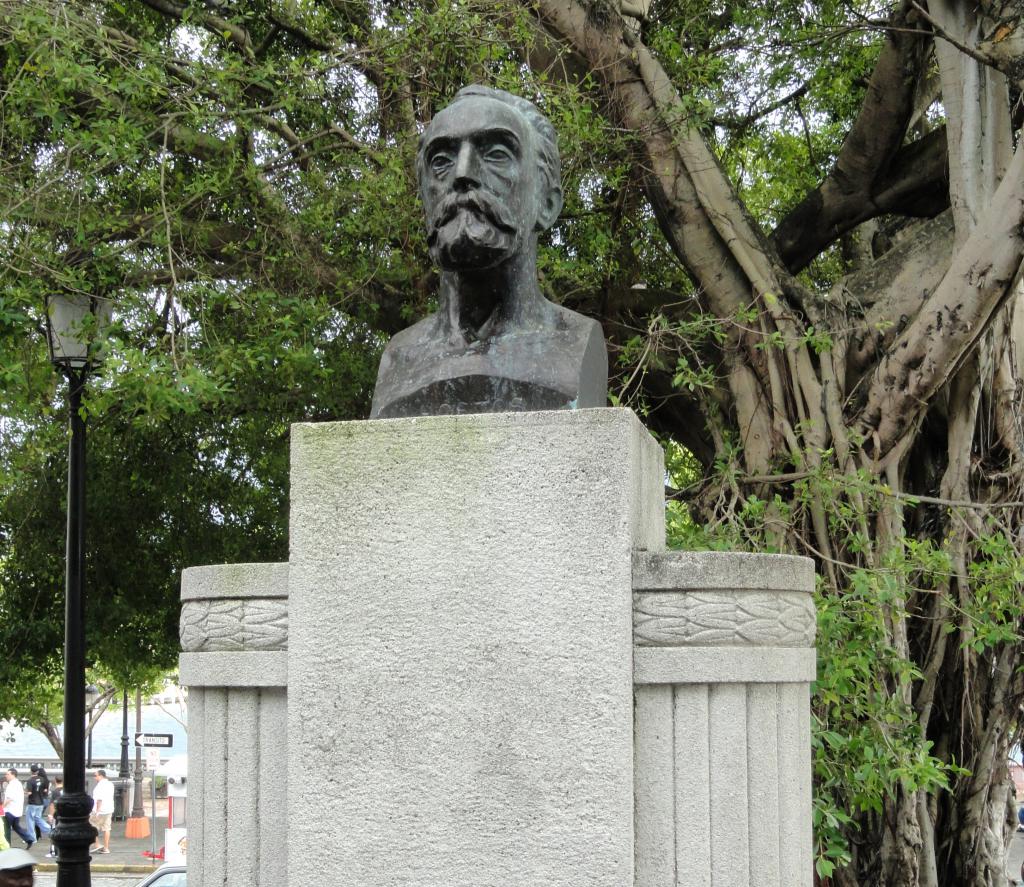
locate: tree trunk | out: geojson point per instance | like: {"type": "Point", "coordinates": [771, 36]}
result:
{"type": "Point", "coordinates": [893, 449]}
{"type": "Point", "coordinates": [52, 735]}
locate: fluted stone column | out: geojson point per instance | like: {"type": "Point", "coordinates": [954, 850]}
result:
{"type": "Point", "coordinates": [723, 657]}
{"type": "Point", "coordinates": [234, 634]}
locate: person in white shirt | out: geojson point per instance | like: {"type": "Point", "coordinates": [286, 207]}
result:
{"type": "Point", "coordinates": [102, 810]}
{"type": "Point", "coordinates": [14, 806]}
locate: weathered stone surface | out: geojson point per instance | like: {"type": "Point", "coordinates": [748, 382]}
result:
{"type": "Point", "coordinates": [721, 570]}
{"type": "Point", "coordinates": [723, 665]}
{"type": "Point", "coordinates": [234, 581]}
{"type": "Point", "coordinates": [234, 629]}
{"type": "Point", "coordinates": [248, 669]}
{"type": "Point", "coordinates": [462, 590]}
{"type": "Point", "coordinates": [237, 746]}
{"type": "Point", "coordinates": [461, 628]}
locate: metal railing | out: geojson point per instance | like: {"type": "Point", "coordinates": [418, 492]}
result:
{"type": "Point", "coordinates": [54, 767]}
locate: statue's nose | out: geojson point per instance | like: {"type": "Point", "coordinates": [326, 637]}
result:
{"type": "Point", "coordinates": [467, 168]}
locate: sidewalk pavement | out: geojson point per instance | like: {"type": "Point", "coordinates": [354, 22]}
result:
{"type": "Point", "coordinates": [126, 854]}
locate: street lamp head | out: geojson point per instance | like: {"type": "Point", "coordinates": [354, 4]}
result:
{"type": "Point", "coordinates": [74, 324]}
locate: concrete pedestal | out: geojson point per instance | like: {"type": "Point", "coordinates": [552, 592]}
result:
{"type": "Point", "coordinates": [480, 667]}
{"type": "Point", "coordinates": [460, 654]}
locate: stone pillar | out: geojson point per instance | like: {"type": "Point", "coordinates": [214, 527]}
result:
{"type": "Point", "coordinates": [460, 654]}
{"type": "Point", "coordinates": [234, 630]}
{"type": "Point", "coordinates": [724, 659]}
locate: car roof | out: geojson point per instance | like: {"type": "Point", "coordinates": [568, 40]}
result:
{"type": "Point", "coordinates": [166, 868]}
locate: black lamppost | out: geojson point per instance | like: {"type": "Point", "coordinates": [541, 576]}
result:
{"type": "Point", "coordinates": [72, 324]}
{"type": "Point", "coordinates": [122, 771]}
{"type": "Point", "coordinates": [138, 810]}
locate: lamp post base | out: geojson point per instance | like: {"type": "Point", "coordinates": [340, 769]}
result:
{"type": "Point", "coordinates": [73, 835]}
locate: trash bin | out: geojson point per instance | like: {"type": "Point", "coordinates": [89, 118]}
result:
{"type": "Point", "coordinates": [120, 799]}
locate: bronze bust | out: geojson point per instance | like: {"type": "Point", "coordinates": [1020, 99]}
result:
{"type": "Point", "coordinates": [490, 179]}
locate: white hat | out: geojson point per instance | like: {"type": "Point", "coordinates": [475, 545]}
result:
{"type": "Point", "coordinates": [15, 859]}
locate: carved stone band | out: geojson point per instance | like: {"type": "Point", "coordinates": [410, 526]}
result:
{"type": "Point", "coordinates": [234, 608]}
{"type": "Point", "coordinates": [723, 618]}
{"type": "Point", "coordinates": [722, 599]}
{"type": "Point", "coordinates": [234, 625]}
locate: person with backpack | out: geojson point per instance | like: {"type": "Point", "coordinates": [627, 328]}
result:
{"type": "Point", "coordinates": [37, 790]}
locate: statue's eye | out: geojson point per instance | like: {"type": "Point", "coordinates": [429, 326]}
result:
{"type": "Point", "coordinates": [498, 154]}
{"type": "Point", "coordinates": [440, 163]}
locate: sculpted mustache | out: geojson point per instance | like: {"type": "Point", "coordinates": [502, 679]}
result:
{"type": "Point", "coordinates": [490, 209]}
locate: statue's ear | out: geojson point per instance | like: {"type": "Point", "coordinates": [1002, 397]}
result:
{"type": "Point", "coordinates": [550, 207]}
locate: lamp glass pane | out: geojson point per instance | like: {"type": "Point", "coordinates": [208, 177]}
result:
{"type": "Point", "coordinates": [72, 327]}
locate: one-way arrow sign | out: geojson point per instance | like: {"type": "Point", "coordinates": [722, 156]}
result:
{"type": "Point", "coordinates": [154, 740]}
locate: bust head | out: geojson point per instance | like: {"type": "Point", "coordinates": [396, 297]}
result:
{"type": "Point", "coordinates": [490, 179]}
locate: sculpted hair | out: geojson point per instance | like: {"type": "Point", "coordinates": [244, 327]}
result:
{"type": "Point", "coordinates": [546, 140]}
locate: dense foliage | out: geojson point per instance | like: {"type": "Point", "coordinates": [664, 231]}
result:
{"type": "Point", "coordinates": [780, 212]}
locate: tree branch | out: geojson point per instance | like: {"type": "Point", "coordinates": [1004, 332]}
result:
{"type": "Point", "coordinates": [741, 122]}
{"type": "Point", "coordinates": [213, 23]}
{"type": "Point", "coordinates": [867, 155]}
{"type": "Point", "coordinates": [1004, 66]}
{"type": "Point", "coordinates": [957, 314]}
{"type": "Point", "coordinates": [190, 141]}
{"type": "Point", "coordinates": [916, 185]}
{"type": "Point", "coordinates": [673, 195]}
{"type": "Point", "coordinates": [894, 287]}
{"type": "Point", "coordinates": [310, 41]}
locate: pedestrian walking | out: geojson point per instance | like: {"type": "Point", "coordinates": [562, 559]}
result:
{"type": "Point", "coordinates": [102, 810]}
{"type": "Point", "coordinates": [37, 799]}
{"type": "Point", "coordinates": [14, 806]}
{"type": "Point", "coordinates": [51, 811]}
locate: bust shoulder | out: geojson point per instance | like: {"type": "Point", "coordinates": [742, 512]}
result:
{"type": "Point", "coordinates": [560, 362]}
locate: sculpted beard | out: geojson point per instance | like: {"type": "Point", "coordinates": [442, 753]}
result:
{"type": "Point", "coordinates": [471, 231]}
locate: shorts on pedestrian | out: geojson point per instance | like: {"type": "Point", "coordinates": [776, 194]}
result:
{"type": "Point", "coordinates": [100, 821]}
